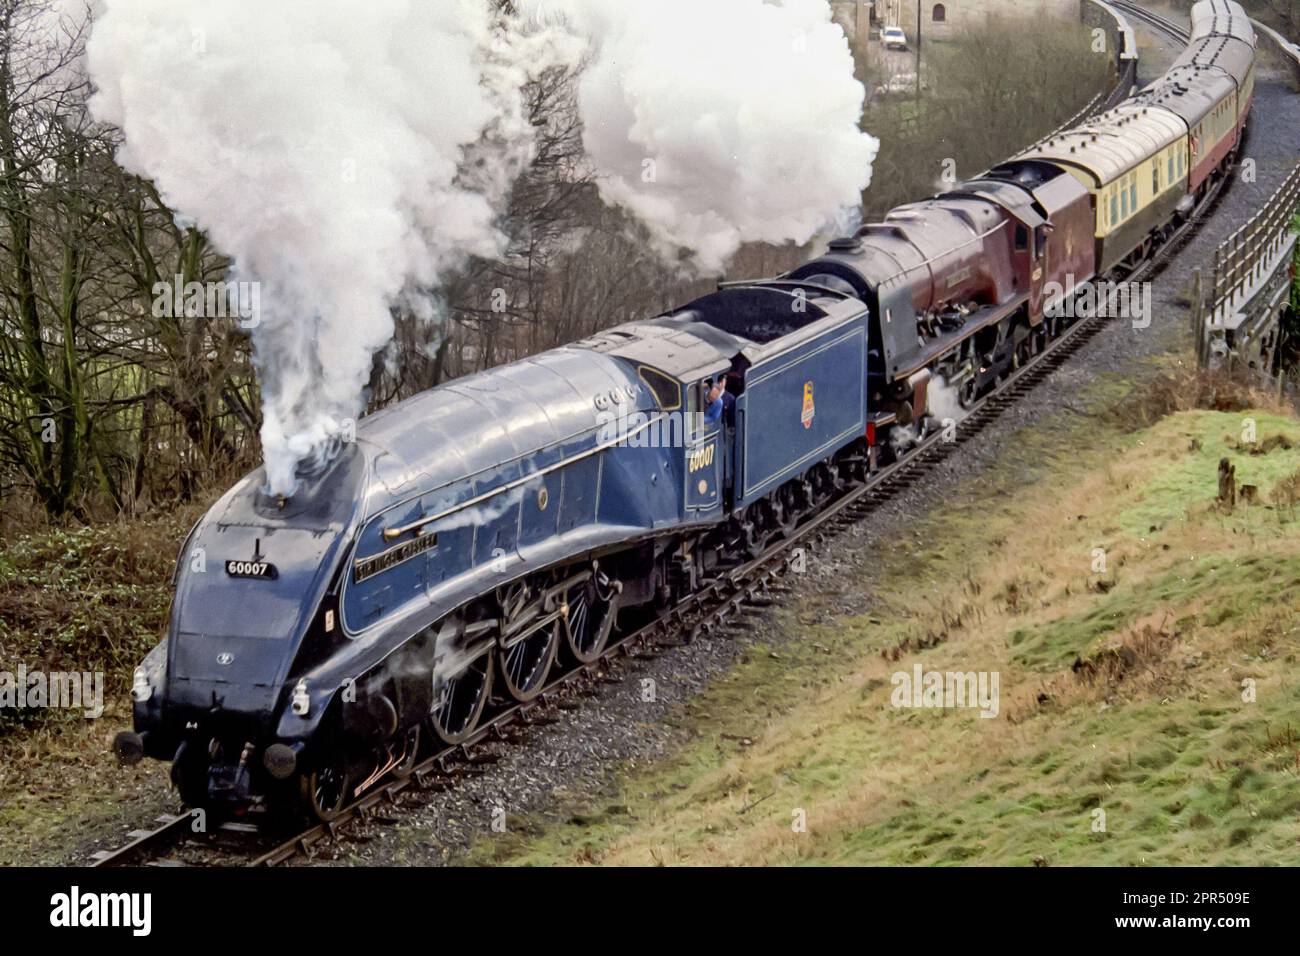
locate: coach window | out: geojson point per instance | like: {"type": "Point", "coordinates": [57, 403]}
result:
{"type": "Point", "coordinates": [1155, 177]}
{"type": "Point", "coordinates": [1123, 201]}
{"type": "Point", "coordinates": [940, 13]}
{"type": "Point", "coordinates": [1171, 167]}
{"type": "Point", "coordinates": [1133, 193]}
{"type": "Point", "coordinates": [1114, 207]}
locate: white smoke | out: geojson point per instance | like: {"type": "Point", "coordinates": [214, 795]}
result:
{"type": "Point", "coordinates": [944, 410]}
{"type": "Point", "coordinates": [719, 122]}
{"type": "Point", "coordinates": [347, 157]}
{"type": "Point", "coordinates": [945, 402]}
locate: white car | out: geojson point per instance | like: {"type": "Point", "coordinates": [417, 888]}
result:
{"type": "Point", "coordinates": [893, 38]}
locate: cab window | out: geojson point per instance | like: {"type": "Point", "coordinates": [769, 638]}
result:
{"type": "Point", "coordinates": [694, 420]}
{"type": "Point", "coordinates": [664, 389]}
{"type": "Point", "coordinates": [700, 395]}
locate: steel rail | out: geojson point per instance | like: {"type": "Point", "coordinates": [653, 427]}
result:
{"type": "Point", "coordinates": [1151, 18]}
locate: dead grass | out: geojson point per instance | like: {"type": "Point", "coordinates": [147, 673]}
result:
{"type": "Point", "coordinates": [86, 600]}
{"type": "Point", "coordinates": [1285, 493]}
{"type": "Point", "coordinates": [91, 599]}
{"type": "Point", "coordinates": [1186, 388]}
{"type": "Point", "coordinates": [1121, 688]}
{"type": "Point", "coordinates": [1141, 661]}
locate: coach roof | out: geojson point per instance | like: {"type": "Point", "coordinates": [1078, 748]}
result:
{"type": "Point", "coordinates": [1112, 144]}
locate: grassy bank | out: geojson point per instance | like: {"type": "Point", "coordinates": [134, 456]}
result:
{"type": "Point", "coordinates": [1148, 712]}
{"type": "Point", "coordinates": [90, 600]}
{"type": "Point", "coordinates": [1124, 732]}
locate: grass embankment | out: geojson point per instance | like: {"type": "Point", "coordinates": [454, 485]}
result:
{"type": "Point", "coordinates": [1161, 691]}
{"type": "Point", "coordinates": [90, 600]}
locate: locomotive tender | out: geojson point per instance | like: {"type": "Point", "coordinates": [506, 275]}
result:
{"type": "Point", "coordinates": [476, 533]}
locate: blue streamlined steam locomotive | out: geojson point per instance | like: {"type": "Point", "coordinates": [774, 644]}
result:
{"type": "Point", "coordinates": [474, 535]}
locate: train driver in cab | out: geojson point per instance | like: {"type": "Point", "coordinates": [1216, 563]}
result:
{"type": "Point", "coordinates": [718, 402]}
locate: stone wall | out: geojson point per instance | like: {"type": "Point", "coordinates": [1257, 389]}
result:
{"type": "Point", "coordinates": [941, 19]}
{"type": "Point", "coordinates": [854, 16]}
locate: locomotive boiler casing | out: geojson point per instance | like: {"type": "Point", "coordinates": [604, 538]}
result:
{"type": "Point", "coordinates": [440, 499]}
{"type": "Point", "coordinates": [946, 251]}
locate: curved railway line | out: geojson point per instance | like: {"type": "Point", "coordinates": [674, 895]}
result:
{"type": "Point", "coordinates": [701, 614]}
{"type": "Point", "coordinates": [735, 591]}
{"type": "Point", "coordinates": [1169, 27]}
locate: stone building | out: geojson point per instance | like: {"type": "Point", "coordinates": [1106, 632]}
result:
{"type": "Point", "coordinates": [940, 19]}
{"type": "Point", "coordinates": [855, 17]}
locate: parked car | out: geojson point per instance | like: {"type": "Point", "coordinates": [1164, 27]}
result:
{"type": "Point", "coordinates": [893, 38]}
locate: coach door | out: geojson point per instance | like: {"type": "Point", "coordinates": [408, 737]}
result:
{"type": "Point", "coordinates": [1039, 268]}
{"type": "Point", "coordinates": [703, 452]}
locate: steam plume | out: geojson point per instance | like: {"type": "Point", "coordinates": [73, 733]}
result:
{"type": "Point", "coordinates": [720, 122]}
{"type": "Point", "coordinates": [347, 156]}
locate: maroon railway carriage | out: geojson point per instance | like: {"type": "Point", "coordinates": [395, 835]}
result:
{"type": "Point", "coordinates": [957, 283]}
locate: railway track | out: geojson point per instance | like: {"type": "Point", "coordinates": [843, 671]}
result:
{"type": "Point", "coordinates": [184, 839]}
{"type": "Point", "coordinates": [1164, 24]}
{"type": "Point", "coordinates": [1171, 27]}
{"type": "Point", "coordinates": [176, 842]}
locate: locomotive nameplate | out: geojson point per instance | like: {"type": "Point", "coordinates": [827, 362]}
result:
{"type": "Point", "coordinates": [259, 570]}
{"type": "Point", "coordinates": [369, 567]}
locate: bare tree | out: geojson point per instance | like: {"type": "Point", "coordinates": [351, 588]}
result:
{"type": "Point", "coordinates": [989, 93]}
{"type": "Point", "coordinates": [93, 380]}
{"type": "Point", "coordinates": [111, 404]}
{"type": "Point", "coordinates": [42, 385]}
